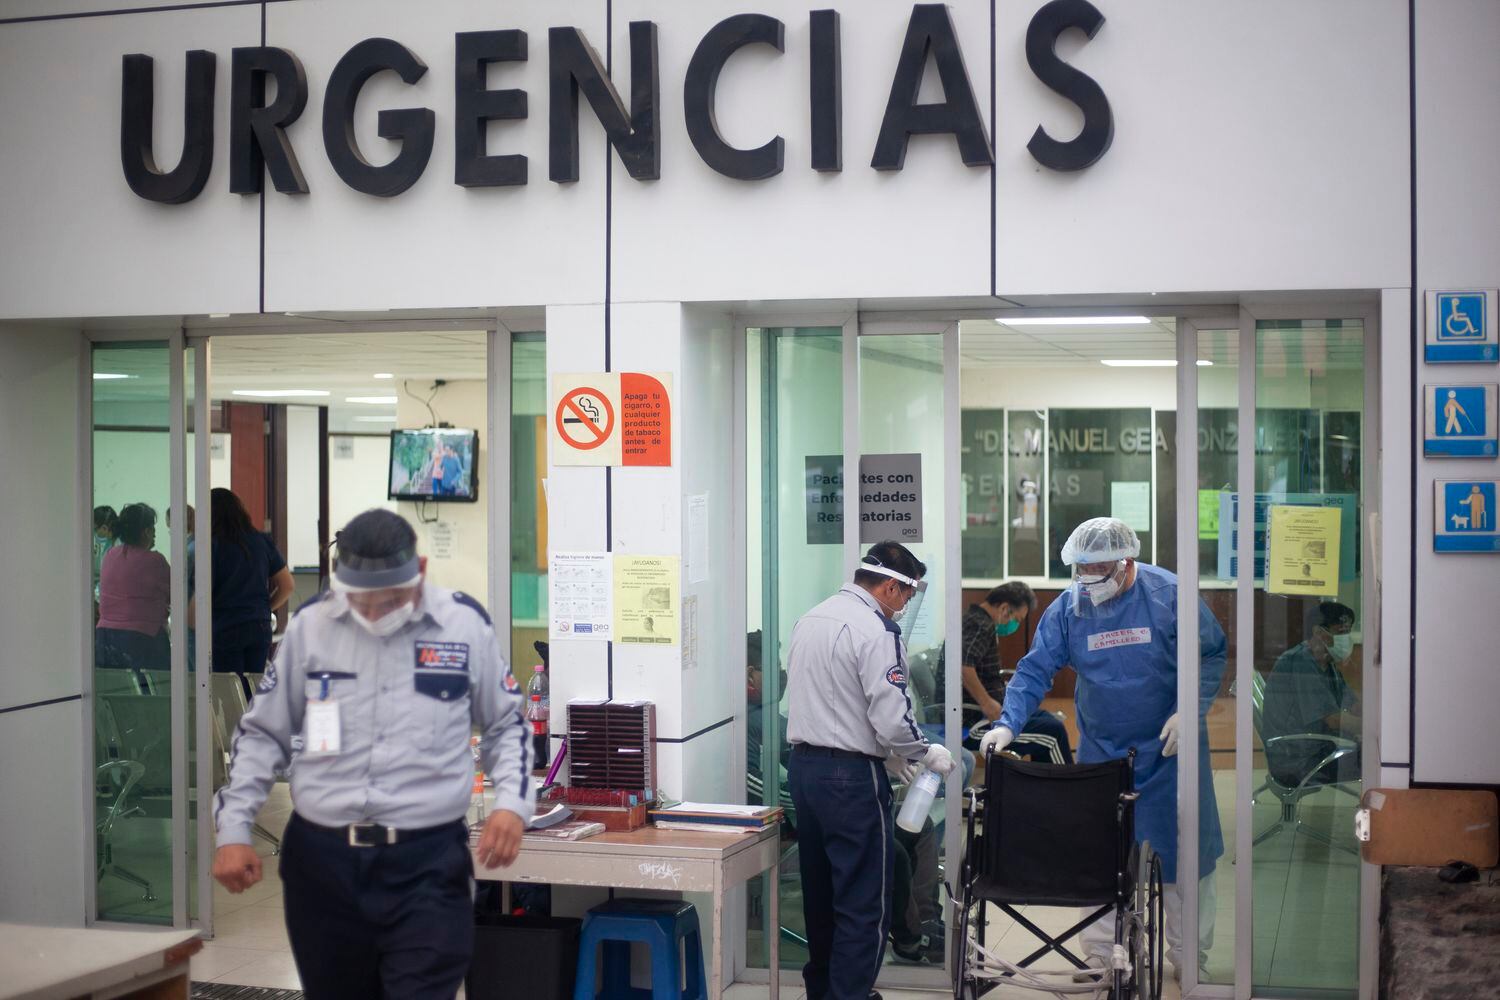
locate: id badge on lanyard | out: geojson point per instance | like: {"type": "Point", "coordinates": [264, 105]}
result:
{"type": "Point", "coordinates": [323, 730]}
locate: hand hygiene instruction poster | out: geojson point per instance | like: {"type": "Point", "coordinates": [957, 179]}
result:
{"type": "Point", "coordinates": [580, 597]}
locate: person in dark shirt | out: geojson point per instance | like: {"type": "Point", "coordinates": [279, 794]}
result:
{"type": "Point", "coordinates": [1001, 613]}
{"type": "Point", "coordinates": [1307, 694]}
{"type": "Point", "coordinates": [250, 582]}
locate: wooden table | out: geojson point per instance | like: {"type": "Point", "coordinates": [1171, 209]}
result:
{"type": "Point", "coordinates": [664, 860]}
{"type": "Point", "coordinates": [43, 963]}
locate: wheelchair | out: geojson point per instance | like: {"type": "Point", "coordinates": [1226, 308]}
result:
{"type": "Point", "coordinates": [1059, 835]}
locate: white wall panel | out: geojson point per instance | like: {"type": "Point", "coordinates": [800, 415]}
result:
{"type": "Point", "coordinates": [697, 235]}
{"type": "Point", "coordinates": [1257, 146]}
{"type": "Point", "coordinates": [1456, 685]}
{"type": "Point", "coordinates": [437, 244]}
{"type": "Point", "coordinates": [79, 241]}
{"type": "Point", "coordinates": [41, 617]}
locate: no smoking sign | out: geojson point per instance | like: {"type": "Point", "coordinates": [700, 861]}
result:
{"type": "Point", "coordinates": [612, 418]}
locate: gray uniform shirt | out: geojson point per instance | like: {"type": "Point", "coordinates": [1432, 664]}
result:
{"type": "Point", "coordinates": [406, 705]}
{"type": "Point", "coordinates": [846, 680]}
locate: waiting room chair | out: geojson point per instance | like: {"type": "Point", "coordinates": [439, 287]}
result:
{"type": "Point", "coordinates": [114, 780]}
{"type": "Point", "coordinates": [1291, 787]}
{"type": "Point", "coordinates": [227, 700]}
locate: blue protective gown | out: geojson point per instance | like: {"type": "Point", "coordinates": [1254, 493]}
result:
{"type": "Point", "coordinates": [1127, 688]}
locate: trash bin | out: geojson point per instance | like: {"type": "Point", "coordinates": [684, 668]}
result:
{"type": "Point", "coordinates": [533, 957]}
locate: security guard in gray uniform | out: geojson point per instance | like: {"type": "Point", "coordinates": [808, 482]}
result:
{"type": "Point", "coordinates": [849, 720]}
{"type": "Point", "coordinates": [381, 679]}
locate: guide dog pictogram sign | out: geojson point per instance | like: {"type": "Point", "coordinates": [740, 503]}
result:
{"type": "Point", "coordinates": [612, 418]}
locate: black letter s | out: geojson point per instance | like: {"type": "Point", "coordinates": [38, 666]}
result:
{"type": "Point", "coordinates": [1098, 122]}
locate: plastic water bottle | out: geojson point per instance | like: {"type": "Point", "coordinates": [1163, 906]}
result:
{"type": "Point", "coordinates": [538, 711]}
{"type": "Point", "coordinates": [919, 797]}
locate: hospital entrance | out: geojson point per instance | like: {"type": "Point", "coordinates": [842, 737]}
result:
{"type": "Point", "coordinates": [981, 443]}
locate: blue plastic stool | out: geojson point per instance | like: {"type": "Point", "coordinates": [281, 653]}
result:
{"type": "Point", "coordinates": [662, 925]}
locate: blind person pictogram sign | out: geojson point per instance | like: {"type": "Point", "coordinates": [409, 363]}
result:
{"type": "Point", "coordinates": [612, 418]}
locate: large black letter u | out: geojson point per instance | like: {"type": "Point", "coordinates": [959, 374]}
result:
{"type": "Point", "coordinates": [184, 181]}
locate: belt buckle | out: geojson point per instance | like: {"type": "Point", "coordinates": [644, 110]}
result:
{"type": "Point", "coordinates": [356, 829]}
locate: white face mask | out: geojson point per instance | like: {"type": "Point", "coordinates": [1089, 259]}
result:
{"type": "Point", "coordinates": [1100, 589]}
{"type": "Point", "coordinates": [1341, 646]}
{"type": "Point", "coordinates": [387, 624]}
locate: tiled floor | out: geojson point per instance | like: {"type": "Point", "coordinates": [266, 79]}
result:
{"type": "Point", "coordinates": [1305, 913]}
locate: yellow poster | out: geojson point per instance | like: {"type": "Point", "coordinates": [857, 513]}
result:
{"type": "Point", "coordinates": [1208, 515]}
{"type": "Point", "coordinates": [1302, 551]}
{"type": "Point", "coordinates": [647, 596]}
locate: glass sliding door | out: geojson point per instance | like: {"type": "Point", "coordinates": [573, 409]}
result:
{"type": "Point", "coordinates": [904, 437]}
{"type": "Point", "coordinates": [794, 558]}
{"type": "Point", "coordinates": [137, 746]}
{"type": "Point", "coordinates": [1310, 457]}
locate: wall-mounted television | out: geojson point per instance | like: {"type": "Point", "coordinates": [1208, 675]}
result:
{"type": "Point", "coordinates": [434, 463]}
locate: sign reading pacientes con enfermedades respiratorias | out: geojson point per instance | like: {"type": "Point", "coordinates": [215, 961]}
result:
{"type": "Point", "coordinates": [890, 498]}
{"type": "Point", "coordinates": [259, 143]}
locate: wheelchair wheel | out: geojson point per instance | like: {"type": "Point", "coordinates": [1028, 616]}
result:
{"type": "Point", "coordinates": [1151, 961]}
{"type": "Point", "coordinates": [963, 987]}
{"type": "Point", "coordinates": [1144, 939]}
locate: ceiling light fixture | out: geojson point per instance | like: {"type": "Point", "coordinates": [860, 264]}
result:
{"type": "Point", "coordinates": [387, 400]}
{"type": "Point", "coordinates": [218, 315]}
{"type": "Point", "coordinates": [274, 393]}
{"type": "Point", "coordinates": [1205, 363]}
{"type": "Point", "coordinates": [1073, 320]}
{"type": "Point", "coordinates": [384, 375]}
{"type": "Point", "coordinates": [109, 376]}
{"type": "Point", "coordinates": [1140, 363]}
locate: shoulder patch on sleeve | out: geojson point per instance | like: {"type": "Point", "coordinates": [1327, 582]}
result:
{"type": "Point", "coordinates": [267, 680]}
{"type": "Point", "coordinates": [896, 677]}
{"type": "Point", "coordinates": [314, 599]}
{"type": "Point", "coordinates": [462, 598]}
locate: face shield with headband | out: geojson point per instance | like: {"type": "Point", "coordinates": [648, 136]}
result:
{"type": "Point", "coordinates": [360, 578]}
{"type": "Point", "coordinates": [907, 615]}
{"type": "Point", "coordinates": [1097, 550]}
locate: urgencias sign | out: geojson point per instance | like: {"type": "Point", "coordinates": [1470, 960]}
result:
{"type": "Point", "coordinates": [258, 140]}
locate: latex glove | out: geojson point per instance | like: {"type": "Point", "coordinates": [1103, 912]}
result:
{"type": "Point", "coordinates": [1169, 737]}
{"type": "Point", "coordinates": [938, 759]}
{"type": "Point", "coordinates": [900, 769]}
{"type": "Point", "coordinates": [997, 739]}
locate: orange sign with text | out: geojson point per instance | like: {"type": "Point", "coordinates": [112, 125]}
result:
{"type": "Point", "coordinates": [612, 418]}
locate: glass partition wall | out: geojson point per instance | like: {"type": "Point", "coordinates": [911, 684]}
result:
{"type": "Point", "coordinates": [1041, 423]}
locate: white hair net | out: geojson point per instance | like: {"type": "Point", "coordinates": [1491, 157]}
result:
{"type": "Point", "coordinates": [1101, 539]}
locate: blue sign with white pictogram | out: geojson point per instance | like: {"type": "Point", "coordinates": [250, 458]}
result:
{"type": "Point", "coordinates": [1461, 326]}
{"type": "Point", "coordinates": [1461, 421]}
{"type": "Point", "coordinates": [1464, 515]}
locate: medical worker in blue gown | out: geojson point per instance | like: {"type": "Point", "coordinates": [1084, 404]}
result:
{"type": "Point", "coordinates": [1117, 627]}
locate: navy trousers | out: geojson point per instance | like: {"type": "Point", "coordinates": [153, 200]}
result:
{"type": "Point", "coordinates": [388, 922]}
{"type": "Point", "coordinates": [845, 837]}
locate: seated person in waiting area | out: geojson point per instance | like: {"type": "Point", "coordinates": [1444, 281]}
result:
{"type": "Point", "coordinates": [1307, 693]}
{"type": "Point", "coordinates": [1044, 737]}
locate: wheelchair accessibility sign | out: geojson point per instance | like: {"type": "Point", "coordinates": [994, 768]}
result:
{"type": "Point", "coordinates": [1461, 327]}
{"type": "Point", "coordinates": [1461, 421]}
{"type": "Point", "coordinates": [1464, 515]}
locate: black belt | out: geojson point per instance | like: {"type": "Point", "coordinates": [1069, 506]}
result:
{"type": "Point", "coordinates": [375, 835]}
{"type": "Point", "coordinates": [809, 750]}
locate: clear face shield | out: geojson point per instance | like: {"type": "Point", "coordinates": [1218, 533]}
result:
{"type": "Point", "coordinates": [906, 617]}
{"type": "Point", "coordinates": [1097, 587]}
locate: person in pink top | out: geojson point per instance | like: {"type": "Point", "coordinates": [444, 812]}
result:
{"type": "Point", "coordinates": [134, 592]}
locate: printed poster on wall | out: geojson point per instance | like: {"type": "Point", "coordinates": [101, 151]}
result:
{"type": "Point", "coordinates": [612, 418]}
{"type": "Point", "coordinates": [647, 590]}
{"type": "Point", "coordinates": [1302, 555]}
{"type": "Point", "coordinates": [579, 594]}
{"type": "Point", "coordinates": [1131, 502]}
